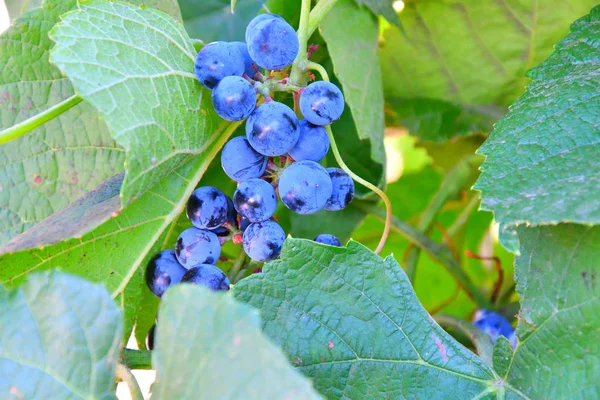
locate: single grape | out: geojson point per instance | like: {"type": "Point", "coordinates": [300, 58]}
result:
{"type": "Point", "coordinates": [150, 338]}
{"type": "Point", "coordinates": [272, 129]}
{"type": "Point", "coordinates": [234, 98]}
{"type": "Point", "coordinates": [244, 223]}
{"type": "Point", "coordinates": [255, 199]}
{"type": "Point", "coordinates": [258, 19]}
{"type": "Point", "coordinates": [196, 246]}
{"type": "Point", "coordinates": [217, 60]}
{"type": "Point", "coordinates": [494, 325]}
{"type": "Point", "coordinates": [208, 276]}
{"type": "Point", "coordinates": [272, 43]}
{"type": "Point", "coordinates": [262, 241]}
{"type": "Point", "coordinates": [312, 144]}
{"type": "Point", "coordinates": [250, 67]}
{"type": "Point", "coordinates": [240, 161]}
{"type": "Point", "coordinates": [305, 187]}
{"type": "Point", "coordinates": [342, 192]}
{"type": "Point", "coordinates": [321, 103]}
{"type": "Point", "coordinates": [207, 208]}
{"type": "Point", "coordinates": [232, 214]}
{"type": "Point", "coordinates": [163, 271]}
{"type": "Point", "coordinates": [326, 238]}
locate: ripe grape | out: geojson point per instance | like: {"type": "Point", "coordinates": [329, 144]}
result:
{"type": "Point", "coordinates": [163, 271]}
{"type": "Point", "coordinates": [258, 19]}
{"type": "Point", "coordinates": [255, 199]}
{"type": "Point", "coordinates": [263, 241]}
{"type": "Point", "coordinates": [313, 142]}
{"type": "Point", "coordinates": [197, 246]}
{"type": "Point", "coordinates": [217, 60]}
{"type": "Point", "coordinates": [250, 67]}
{"type": "Point", "coordinates": [240, 161]}
{"type": "Point", "coordinates": [343, 190]}
{"type": "Point", "coordinates": [234, 98]}
{"type": "Point", "coordinates": [305, 187]}
{"type": "Point", "coordinates": [326, 238]}
{"type": "Point", "coordinates": [207, 208]}
{"type": "Point", "coordinates": [494, 325]}
{"type": "Point", "coordinates": [272, 129]}
{"type": "Point", "coordinates": [208, 276]}
{"type": "Point", "coordinates": [321, 103]}
{"type": "Point", "coordinates": [272, 43]}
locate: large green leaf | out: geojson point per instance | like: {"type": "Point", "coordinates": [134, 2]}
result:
{"type": "Point", "coordinates": [542, 161]}
{"type": "Point", "coordinates": [356, 64]}
{"type": "Point", "coordinates": [61, 338]}
{"type": "Point", "coordinates": [558, 354]}
{"type": "Point", "coordinates": [472, 54]}
{"type": "Point", "coordinates": [59, 162]}
{"type": "Point", "coordinates": [381, 7]}
{"type": "Point", "coordinates": [212, 20]}
{"type": "Point", "coordinates": [18, 7]}
{"type": "Point", "coordinates": [351, 321]}
{"type": "Point", "coordinates": [140, 77]}
{"type": "Point", "coordinates": [112, 252]}
{"type": "Point", "coordinates": [203, 337]}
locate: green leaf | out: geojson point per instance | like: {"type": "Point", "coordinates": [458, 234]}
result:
{"type": "Point", "coordinates": [212, 20]}
{"type": "Point", "coordinates": [381, 7]}
{"type": "Point", "coordinates": [145, 317]}
{"type": "Point", "coordinates": [141, 80]}
{"type": "Point", "coordinates": [170, 7]}
{"type": "Point", "coordinates": [113, 251]}
{"type": "Point", "coordinates": [479, 64]}
{"type": "Point", "coordinates": [502, 356]}
{"type": "Point", "coordinates": [204, 337]}
{"type": "Point", "coordinates": [129, 301]}
{"type": "Point", "coordinates": [61, 338]}
{"type": "Point", "coordinates": [356, 65]}
{"type": "Point", "coordinates": [18, 7]}
{"type": "Point", "coordinates": [351, 321]}
{"type": "Point", "coordinates": [59, 162]}
{"type": "Point", "coordinates": [542, 157]}
{"type": "Point", "coordinates": [558, 353]}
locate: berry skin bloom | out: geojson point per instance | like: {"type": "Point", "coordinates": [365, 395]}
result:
{"type": "Point", "coordinates": [322, 103]}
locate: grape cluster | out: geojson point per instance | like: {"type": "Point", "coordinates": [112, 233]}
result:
{"type": "Point", "coordinates": [278, 157]}
{"type": "Point", "coordinates": [494, 325]}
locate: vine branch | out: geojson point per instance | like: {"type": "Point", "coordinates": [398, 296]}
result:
{"type": "Point", "coordinates": [126, 376]}
{"type": "Point", "coordinates": [136, 359]}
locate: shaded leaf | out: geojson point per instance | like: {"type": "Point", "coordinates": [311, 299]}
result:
{"type": "Point", "coordinates": [350, 320]}
{"type": "Point", "coordinates": [61, 338]}
{"type": "Point", "coordinates": [141, 80]}
{"type": "Point", "coordinates": [381, 7]}
{"type": "Point", "coordinates": [542, 162]}
{"type": "Point", "coordinates": [129, 301]}
{"type": "Point", "coordinates": [204, 336]}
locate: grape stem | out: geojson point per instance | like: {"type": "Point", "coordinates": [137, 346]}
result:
{"type": "Point", "coordinates": [319, 68]}
{"type": "Point", "coordinates": [318, 13]}
{"type": "Point", "coordinates": [136, 359]}
{"type": "Point", "coordinates": [125, 375]}
{"type": "Point", "coordinates": [298, 68]}
{"type": "Point", "coordinates": [237, 266]}
{"type": "Point", "coordinates": [369, 185]}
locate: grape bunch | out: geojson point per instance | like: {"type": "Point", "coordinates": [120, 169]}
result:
{"type": "Point", "coordinates": [277, 158]}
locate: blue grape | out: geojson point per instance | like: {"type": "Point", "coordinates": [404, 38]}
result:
{"type": "Point", "coordinates": [494, 325]}
{"type": "Point", "coordinates": [272, 129]}
{"type": "Point", "coordinates": [163, 271]}
{"type": "Point", "coordinates": [258, 19]}
{"type": "Point", "coordinates": [240, 161]}
{"type": "Point", "coordinates": [197, 246]}
{"type": "Point", "coordinates": [321, 103]}
{"type": "Point", "coordinates": [207, 208]}
{"type": "Point", "coordinates": [326, 238]}
{"type": "Point", "coordinates": [313, 143]}
{"type": "Point", "coordinates": [255, 199]}
{"type": "Point", "coordinates": [244, 223]}
{"type": "Point", "coordinates": [217, 60]}
{"type": "Point", "coordinates": [263, 241]}
{"type": "Point", "coordinates": [272, 43]}
{"type": "Point", "coordinates": [234, 98]}
{"type": "Point", "coordinates": [150, 338]}
{"type": "Point", "coordinates": [305, 187]}
{"type": "Point", "coordinates": [343, 190]}
{"type": "Point", "coordinates": [208, 276]}
{"type": "Point", "coordinates": [250, 67]}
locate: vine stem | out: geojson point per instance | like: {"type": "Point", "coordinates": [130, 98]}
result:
{"type": "Point", "coordinates": [126, 376]}
{"type": "Point", "coordinates": [136, 359]}
{"type": "Point", "coordinates": [367, 184]}
{"type": "Point", "coordinates": [237, 266]}
{"type": "Point", "coordinates": [483, 343]}
{"type": "Point", "coordinates": [318, 13]}
{"type": "Point", "coordinates": [298, 68]}
{"type": "Point", "coordinates": [37, 120]}
{"type": "Point", "coordinates": [319, 68]}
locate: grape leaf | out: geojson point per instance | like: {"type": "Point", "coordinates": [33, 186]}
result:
{"type": "Point", "coordinates": [212, 20]}
{"type": "Point", "coordinates": [18, 7]}
{"type": "Point", "coordinates": [61, 338]}
{"type": "Point", "coordinates": [59, 162]}
{"type": "Point", "coordinates": [113, 251]}
{"type": "Point", "coordinates": [558, 353]}
{"type": "Point", "coordinates": [356, 65]}
{"type": "Point", "coordinates": [470, 54]}
{"type": "Point", "coordinates": [351, 321]}
{"type": "Point", "coordinates": [203, 336]}
{"type": "Point", "coordinates": [381, 7]}
{"type": "Point", "coordinates": [129, 300]}
{"type": "Point", "coordinates": [542, 161]}
{"type": "Point", "coordinates": [141, 80]}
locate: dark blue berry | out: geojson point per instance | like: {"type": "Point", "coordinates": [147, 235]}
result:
{"type": "Point", "coordinates": [208, 276]}
{"type": "Point", "coordinates": [207, 208]}
{"type": "Point", "coordinates": [216, 61]}
{"type": "Point", "coordinates": [234, 98]}
{"type": "Point", "coordinates": [197, 246]}
{"type": "Point", "coordinates": [326, 238]}
{"type": "Point", "coordinates": [163, 271]}
{"type": "Point", "coordinates": [321, 103]}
